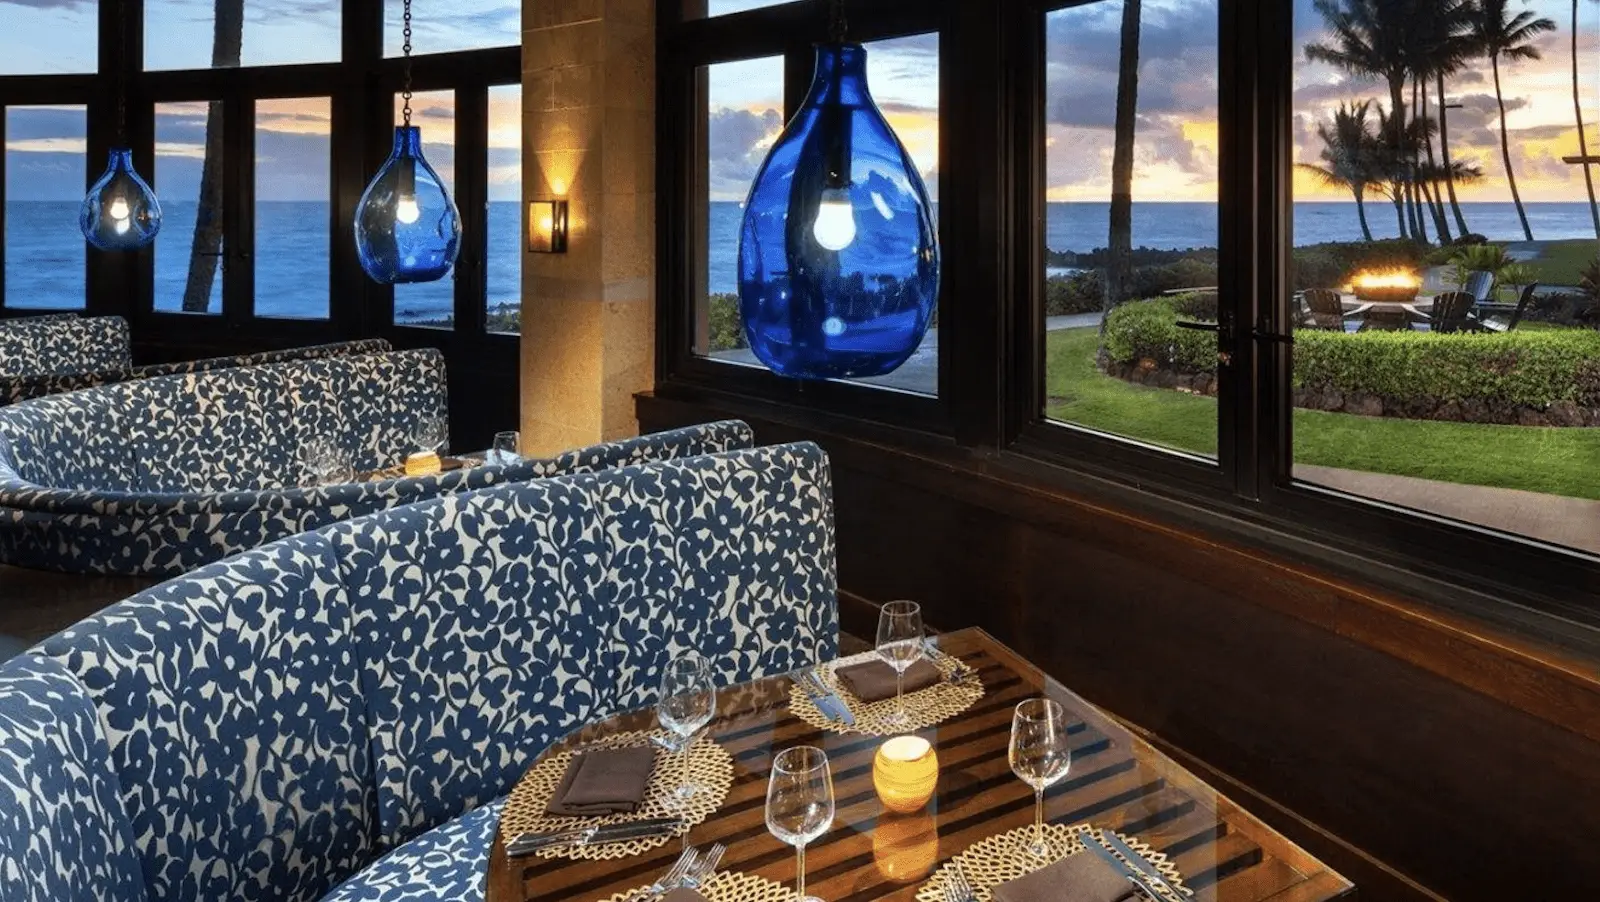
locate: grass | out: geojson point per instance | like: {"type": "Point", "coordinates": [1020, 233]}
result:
{"type": "Point", "coordinates": [1562, 262]}
{"type": "Point", "coordinates": [1537, 459]}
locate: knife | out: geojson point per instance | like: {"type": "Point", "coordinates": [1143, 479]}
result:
{"type": "Point", "coordinates": [827, 701]}
{"type": "Point", "coordinates": [528, 843]}
{"type": "Point", "coordinates": [1142, 863]}
{"type": "Point", "coordinates": [1137, 876]}
{"type": "Point", "coordinates": [960, 669]}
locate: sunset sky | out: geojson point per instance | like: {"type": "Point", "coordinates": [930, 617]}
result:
{"type": "Point", "coordinates": [1176, 156]}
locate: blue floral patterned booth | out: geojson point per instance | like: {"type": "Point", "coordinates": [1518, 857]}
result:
{"type": "Point", "coordinates": [37, 385]}
{"type": "Point", "coordinates": [38, 345]}
{"type": "Point", "coordinates": [339, 715]}
{"type": "Point", "coordinates": [159, 476]}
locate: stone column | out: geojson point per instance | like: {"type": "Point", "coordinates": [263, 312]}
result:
{"type": "Point", "coordinates": [588, 316]}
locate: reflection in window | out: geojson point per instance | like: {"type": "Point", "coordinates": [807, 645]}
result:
{"type": "Point", "coordinates": [48, 38]}
{"type": "Point", "coordinates": [188, 180]}
{"type": "Point", "coordinates": [45, 171]}
{"type": "Point", "coordinates": [1446, 291]}
{"type": "Point", "coordinates": [1116, 360]}
{"type": "Point", "coordinates": [503, 268]}
{"type": "Point", "coordinates": [206, 34]}
{"type": "Point", "coordinates": [293, 187]}
{"type": "Point", "coordinates": [458, 25]}
{"type": "Point", "coordinates": [434, 112]}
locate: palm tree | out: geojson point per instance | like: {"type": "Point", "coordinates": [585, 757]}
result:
{"type": "Point", "coordinates": [1444, 154]}
{"type": "Point", "coordinates": [1119, 262]}
{"type": "Point", "coordinates": [1370, 39]}
{"type": "Point", "coordinates": [1500, 34]}
{"type": "Point", "coordinates": [227, 43]}
{"type": "Point", "coordinates": [1392, 167]}
{"type": "Point", "coordinates": [1350, 152]}
{"type": "Point", "coordinates": [1441, 46]}
{"type": "Point", "coordinates": [1583, 141]}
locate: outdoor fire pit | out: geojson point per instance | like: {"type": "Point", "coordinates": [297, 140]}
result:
{"type": "Point", "coordinates": [1395, 286]}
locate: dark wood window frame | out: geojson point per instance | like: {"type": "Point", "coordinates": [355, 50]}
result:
{"type": "Point", "coordinates": [988, 415]}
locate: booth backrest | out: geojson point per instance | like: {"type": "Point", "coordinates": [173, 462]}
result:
{"type": "Point", "coordinates": [22, 388]}
{"type": "Point", "coordinates": [65, 345]}
{"type": "Point", "coordinates": [275, 720]}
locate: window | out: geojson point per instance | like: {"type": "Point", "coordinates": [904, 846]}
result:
{"type": "Point", "coordinates": [458, 25]}
{"type": "Point", "coordinates": [503, 235]}
{"type": "Point", "coordinates": [1421, 378]}
{"type": "Point", "coordinates": [1116, 360]}
{"type": "Point", "coordinates": [434, 112]}
{"type": "Point", "coordinates": [45, 169]}
{"type": "Point", "coordinates": [293, 185]}
{"type": "Point", "coordinates": [189, 261]}
{"type": "Point", "coordinates": [206, 34]}
{"type": "Point", "coordinates": [702, 9]}
{"type": "Point", "coordinates": [48, 39]}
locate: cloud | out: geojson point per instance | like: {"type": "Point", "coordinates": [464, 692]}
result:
{"type": "Point", "coordinates": [50, 4]}
{"type": "Point", "coordinates": [738, 141]}
{"type": "Point", "coordinates": [1177, 62]}
{"type": "Point", "coordinates": [33, 123]}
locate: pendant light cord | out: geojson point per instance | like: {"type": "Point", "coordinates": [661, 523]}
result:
{"type": "Point", "coordinates": [837, 24]}
{"type": "Point", "coordinates": [122, 73]}
{"type": "Point", "coordinates": [406, 49]}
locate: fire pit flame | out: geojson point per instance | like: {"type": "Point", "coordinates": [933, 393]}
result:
{"type": "Point", "coordinates": [1390, 285]}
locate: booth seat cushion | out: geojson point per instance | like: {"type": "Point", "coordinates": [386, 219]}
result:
{"type": "Point", "coordinates": [449, 863]}
{"type": "Point", "coordinates": [68, 440]}
{"type": "Point", "coordinates": [68, 345]}
{"type": "Point", "coordinates": [236, 727]}
{"type": "Point", "coordinates": [63, 834]}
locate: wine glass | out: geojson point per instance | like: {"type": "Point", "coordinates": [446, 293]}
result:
{"type": "Point", "coordinates": [430, 433]}
{"type": "Point", "coordinates": [688, 699]}
{"type": "Point", "coordinates": [1040, 757]}
{"type": "Point", "coordinates": [800, 804]}
{"type": "Point", "coordinates": [900, 645]}
{"type": "Point", "coordinates": [504, 451]}
{"type": "Point", "coordinates": [322, 459]}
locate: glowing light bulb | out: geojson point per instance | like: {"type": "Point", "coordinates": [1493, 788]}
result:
{"type": "Point", "coordinates": [119, 211]}
{"type": "Point", "coordinates": [121, 226]}
{"type": "Point", "coordinates": [407, 210]}
{"type": "Point", "coordinates": [835, 227]}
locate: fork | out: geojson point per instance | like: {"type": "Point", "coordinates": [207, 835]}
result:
{"type": "Point", "coordinates": [706, 867]}
{"type": "Point", "coordinates": [956, 887]}
{"type": "Point", "coordinates": [669, 881]}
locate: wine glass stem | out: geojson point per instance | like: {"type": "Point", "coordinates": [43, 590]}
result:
{"type": "Point", "coordinates": [800, 873]}
{"type": "Point", "coordinates": [683, 764]}
{"type": "Point", "coordinates": [899, 693]}
{"type": "Point", "coordinates": [1038, 819]}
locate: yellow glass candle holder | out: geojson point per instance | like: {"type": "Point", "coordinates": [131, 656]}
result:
{"type": "Point", "coordinates": [423, 463]}
{"type": "Point", "coordinates": [905, 772]}
{"type": "Point", "coordinates": [905, 849]}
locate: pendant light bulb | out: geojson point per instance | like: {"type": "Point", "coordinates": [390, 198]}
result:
{"type": "Point", "coordinates": [119, 212]}
{"type": "Point", "coordinates": [406, 210]}
{"type": "Point", "coordinates": [835, 228]}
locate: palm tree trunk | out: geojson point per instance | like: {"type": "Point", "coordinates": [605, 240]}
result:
{"type": "Point", "coordinates": [1397, 141]}
{"type": "Point", "coordinates": [1505, 149]}
{"type": "Point", "coordinates": [227, 42]}
{"type": "Point", "coordinates": [1396, 192]}
{"type": "Point", "coordinates": [1577, 110]}
{"type": "Point", "coordinates": [1444, 152]}
{"type": "Point", "coordinates": [1361, 211]}
{"type": "Point", "coordinates": [1441, 226]}
{"type": "Point", "coordinates": [1119, 262]}
{"type": "Point", "coordinates": [1418, 193]}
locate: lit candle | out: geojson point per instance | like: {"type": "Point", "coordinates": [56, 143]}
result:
{"type": "Point", "coordinates": [905, 773]}
{"type": "Point", "coordinates": [422, 463]}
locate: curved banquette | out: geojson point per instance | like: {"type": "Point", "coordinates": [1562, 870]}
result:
{"type": "Point", "coordinates": [339, 715]}
{"type": "Point", "coordinates": [162, 475]}
{"type": "Point", "coordinates": [38, 345]}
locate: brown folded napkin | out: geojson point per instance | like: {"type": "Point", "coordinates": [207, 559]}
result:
{"type": "Point", "coordinates": [873, 681]}
{"type": "Point", "coordinates": [1082, 877]}
{"type": "Point", "coordinates": [683, 894]}
{"type": "Point", "coordinates": [604, 781]}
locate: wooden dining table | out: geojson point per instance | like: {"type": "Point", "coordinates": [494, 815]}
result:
{"type": "Point", "coordinates": [1116, 781]}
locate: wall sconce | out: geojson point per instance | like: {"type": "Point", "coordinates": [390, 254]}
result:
{"type": "Point", "coordinates": [547, 226]}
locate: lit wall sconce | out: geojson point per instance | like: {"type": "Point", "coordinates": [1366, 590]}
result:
{"type": "Point", "coordinates": [547, 226]}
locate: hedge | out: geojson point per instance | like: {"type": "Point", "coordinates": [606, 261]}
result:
{"type": "Point", "coordinates": [1531, 368]}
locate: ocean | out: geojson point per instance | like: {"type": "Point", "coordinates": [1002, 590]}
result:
{"type": "Point", "coordinates": [45, 252]}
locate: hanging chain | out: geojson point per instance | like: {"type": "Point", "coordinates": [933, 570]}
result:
{"type": "Point", "coordinates": [406, 49]}
{"type": "Point", "coordinates": [122, 74]}
{"type": "Point", "coordinates": [837, 25]}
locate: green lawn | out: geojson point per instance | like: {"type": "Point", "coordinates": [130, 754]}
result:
{"type": "Point", "coordinates": [1562, 262]}
{"type": "Point", "coordinates": [1539, 459]}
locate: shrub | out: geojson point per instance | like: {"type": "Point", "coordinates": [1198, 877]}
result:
{"type": "Point", "coordinates": [1333, 263]}
{"type": "Point", "coordinates": [726, 326]}
{"type": "Point", "coordinates": [1141, 330]}
{"type": "Point", "coordinates": [1474, 257]}
{"type": "Point", "coordinates": [1589, 281]}
{"type": "Point", "coordinates": [1082, 292]}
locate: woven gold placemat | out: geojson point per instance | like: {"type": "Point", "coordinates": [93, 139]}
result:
{"type": "Point", "coordinates": [448, 465]}
{"type": "Point", "coordinates": [991, 862]}
{"type": "Point", "coordinates": [730, 886]}
{"type": "Point", "coordinates": [710, 765]}
{"type": "Point", "coordinates": [926, 707]}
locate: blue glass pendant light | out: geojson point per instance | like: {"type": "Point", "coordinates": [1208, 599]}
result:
{"type": "Point", "coordinates": [120, 212]}
{"type": "Point", "coordinates": [838, 259]}
{"type": "Point", "coordinates": [407, 227]}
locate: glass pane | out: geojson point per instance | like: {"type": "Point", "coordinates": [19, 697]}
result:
{"type": "Point", "coordinates": [504, 238]}
{"type": "Point", "coordinates": [206, 34]}
{"type": "Point", "coordinates": [293, 188]}
{"type": "Point", "coordinates": [1115, 359]}
{"type": "Point", "coordinates": [705, 9]}
{"type": "Point", "coordinates": [43, 38]}
{"type": "Point", "coordinates": [188, 180]}
{"type": "Point", "coordinates": [458, 25]}
{"type": "Point", "coordinates": [742, 105]}
{"type": "Point", "coordinates": [45, 182]}
{"type": "Point", "coordinates": [431, 303]}
{"type": "Point", "coordinates": [1446, 290]}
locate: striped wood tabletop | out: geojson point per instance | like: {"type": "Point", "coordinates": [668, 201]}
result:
{"type": "Point", "coordinates": [1116, 781]}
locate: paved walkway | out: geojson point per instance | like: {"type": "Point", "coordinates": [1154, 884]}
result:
{"type": "Point", "coordinates": [1573, 522]}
